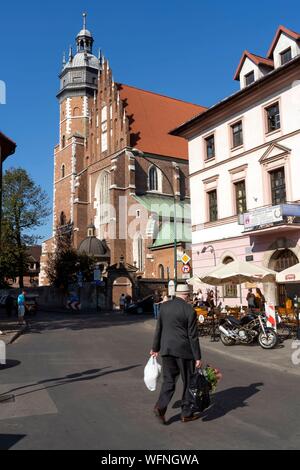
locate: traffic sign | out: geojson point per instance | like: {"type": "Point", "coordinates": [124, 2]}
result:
{"type": "Point", "coordinates": [186, 269]}
{"type": "Point", "coordinates": [185, 259]}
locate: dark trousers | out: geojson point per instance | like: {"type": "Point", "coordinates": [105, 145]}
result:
{"type": "Point", "coordinates": [173, 367]}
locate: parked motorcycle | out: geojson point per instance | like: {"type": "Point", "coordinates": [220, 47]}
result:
{"type": "Point", "coordinates": [247, 330]}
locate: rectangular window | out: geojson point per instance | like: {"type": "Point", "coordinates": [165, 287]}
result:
{"type": "Point", "coordinates": [273, 117]}
{"type": "Point", "coordinates": [249, 78]}
{"type": "Point", "coordinates": [278, 187]}
{"type": "Point", "coordinates": [237, 134]}
{"type": "Point", "coordinates": [210, 147]}
{"type": "Point", "coordinates": [286, 56]}
{"type": "Point", "coordinates": [240, 197]}
{"type": "Point", "coordinates": [213, 206]}
{"type": "Point", "coordinates": [230, 291]}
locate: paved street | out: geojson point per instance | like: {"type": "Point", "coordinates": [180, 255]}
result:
{"type": "Point", "coordinates": [78, 384]}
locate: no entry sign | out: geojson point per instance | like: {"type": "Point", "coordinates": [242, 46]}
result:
{"type": "Point", "coordinates": [186, 269]}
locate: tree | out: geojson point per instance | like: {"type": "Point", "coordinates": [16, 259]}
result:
{"type": "Point", "coordinates": [25, 208]}
{"type": "Point", "coordinates": [65, 263]}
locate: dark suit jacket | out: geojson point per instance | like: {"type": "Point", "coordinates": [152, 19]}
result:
{"type": "Point", "coordinates": [176, 333]}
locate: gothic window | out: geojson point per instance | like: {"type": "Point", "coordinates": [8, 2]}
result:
{"type": "Point", "coordinates": [153, 179]}
{"type": "Point", "coordinates": [63, 141]}
{"type": "Point", "coordinates": [161, 272]}
{"type": "Point", "coordinates": [140, 263]}
{"type": "Point", "coordinates": [63, 171]}
{"type": "Point", "coordinates": [63, 219]}
{"type": "Point", "coordinates": [76, 112]}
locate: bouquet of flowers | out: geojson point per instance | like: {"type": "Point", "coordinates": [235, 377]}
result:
{"type": "Point", "coordinates": [213, 376]}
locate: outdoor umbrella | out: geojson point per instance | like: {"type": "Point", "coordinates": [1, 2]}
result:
{"type": "Point", "coordinates": [289, 275]}
{"type": "Point", "coordinates": [238, 272]}
{"type": "Point", "coordinates": [196, 282]}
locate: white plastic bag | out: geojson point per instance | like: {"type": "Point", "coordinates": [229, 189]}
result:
{"type": "Point", "coordinates": [152, 374]}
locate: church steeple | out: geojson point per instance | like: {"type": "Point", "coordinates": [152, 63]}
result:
{"type": "Point", "coordinates": [84, 38]}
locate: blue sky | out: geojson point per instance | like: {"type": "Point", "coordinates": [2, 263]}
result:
{"type": "Point", "coordinates": [185, 49]}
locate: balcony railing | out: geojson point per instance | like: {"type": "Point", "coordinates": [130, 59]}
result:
{"type": "Point", "coordinates": [270, 216]}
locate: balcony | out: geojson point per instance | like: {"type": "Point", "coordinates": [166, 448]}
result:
{"type": "Point", "coordinates": [268, 218]}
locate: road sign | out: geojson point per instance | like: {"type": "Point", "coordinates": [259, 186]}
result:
{"type": "Point", "coordinates": [185, 259]}
{"type": "Point", "coordinates": [186, 269]}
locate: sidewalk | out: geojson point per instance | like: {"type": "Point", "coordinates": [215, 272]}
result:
{"type": "Point", "coordinates": [10, 330]}
{"type": "Point", "coordinates": [280, 358]}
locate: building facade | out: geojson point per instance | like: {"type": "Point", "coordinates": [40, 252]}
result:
{"type": "Point", "coordinates": [244, 168]}
{"type": "Point", "coordinates": [117, 169]}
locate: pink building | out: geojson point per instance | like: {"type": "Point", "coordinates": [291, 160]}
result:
{"type": "Point", "coordinates": [244, 157]}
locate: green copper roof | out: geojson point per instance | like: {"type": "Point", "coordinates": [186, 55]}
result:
{"type": "Point", "coordinates": [163, 206]}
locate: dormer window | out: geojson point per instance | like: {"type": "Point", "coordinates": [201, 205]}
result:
{"type": "Point", "coordinates": [286, 56]}
{"type": "Point", "coordinates": [249, 78]}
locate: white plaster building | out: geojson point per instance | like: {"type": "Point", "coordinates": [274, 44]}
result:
{"type": "Point", "coordinates": [244, 157]}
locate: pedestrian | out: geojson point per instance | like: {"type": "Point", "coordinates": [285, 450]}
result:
{"type": "Point", "coordinates": [122, 303]}
{"type": "Point", "coordinates": [200, 298]}
{"type": "Point", "coordinates": [21, 308]}
{"type": "Point", "coordinates": [260, 300]}
{"type": "Point", "coordinates": [176, 340]}
{"type": "Point", "coordinates": [251, 300]}
{"type": "Point", "coordinates": [157, 303]}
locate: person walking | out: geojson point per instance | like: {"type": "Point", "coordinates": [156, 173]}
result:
{"type": "Point", "coordinates": [21, 308]}
{"type": "Point", "coordinates": [122, 303]}
{"type": "Point", "coordinates": [176, 340]}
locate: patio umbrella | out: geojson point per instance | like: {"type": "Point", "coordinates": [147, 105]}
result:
{"type": "Point", "coordinates": [195, 281]}
{"type": "Point", "coordinates": [290, 275]}
{"type": "Point", "coordinates": [238, 272]}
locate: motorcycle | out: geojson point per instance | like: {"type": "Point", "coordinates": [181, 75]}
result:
{"type": "Point", "coordinates": [247, 330]}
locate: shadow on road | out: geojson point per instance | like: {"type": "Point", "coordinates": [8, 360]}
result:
{"type": "Point", "coordinates": [10, 363]}
{"type": "Point", "coordinates": [224, 402]}
{"type": "Point", "coordinates": [228, 400]}
{"type": "Point", "coordinates": [68, 379]}
{"type": "Point", "coordinates": [7, 441]}
{"type": "Point", "coordinates": [81, 321]}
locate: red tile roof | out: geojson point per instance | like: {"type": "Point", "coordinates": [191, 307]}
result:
{"type": "Point", "coordinates": [7, 146]}
{"type": "Point", "coordinates": [288, 32]}
{"type": "Point", "coordinates": [257, 59]}
{"type": "Point", "coordinates": [152, 116]}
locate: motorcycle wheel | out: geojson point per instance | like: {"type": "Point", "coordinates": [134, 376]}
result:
{"type": "Point", "coordinates": [268, 340]}
{"type": "Point", "coordinates": [226, 340]}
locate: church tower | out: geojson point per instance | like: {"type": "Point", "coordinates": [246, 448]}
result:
{"type": "Point", "coordinates": [78, 88]}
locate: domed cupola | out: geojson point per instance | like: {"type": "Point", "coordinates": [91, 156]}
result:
{"type": "Point", "coordinates": [80, 72]}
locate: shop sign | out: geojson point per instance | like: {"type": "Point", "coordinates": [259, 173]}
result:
{"type": "Point", "coordinates": [263, 217]}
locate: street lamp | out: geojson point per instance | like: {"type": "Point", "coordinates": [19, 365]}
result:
{"type": "Point", "coordinates": [139, 153]}
{"type": "Point", "coordinates": [211, 249]}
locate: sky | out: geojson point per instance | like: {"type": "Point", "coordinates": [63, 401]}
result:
{"type": "Point", "coordinates": [185, 49]}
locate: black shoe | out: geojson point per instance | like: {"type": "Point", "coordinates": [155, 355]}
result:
{"type": "Point", "coordinates": [160, 415]}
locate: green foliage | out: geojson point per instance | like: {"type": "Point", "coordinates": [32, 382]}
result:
{"type": "Point", "coordinates": [25, 208]}
{"type": "Point", "coordinates": [65, 263]}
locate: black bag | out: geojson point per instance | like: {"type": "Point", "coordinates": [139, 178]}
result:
{"type": "Point", "coordinates": [199, 391]}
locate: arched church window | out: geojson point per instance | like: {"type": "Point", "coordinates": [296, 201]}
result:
{"type": "Point", "coordinates": [62, 219]}
{"type": "Point", "coordinates": [140, 261]}
{"type": "Point", "coordinates": [81, 45]}
{"type": "Point", "coordinates": [63, 141]}
{"type": "Point", "coordinates": [153, 179]}
{"type": "Point", "coordinates": [161, 271]}
{"type": "Point", "coordinates": [63, 171]}
{"type": "Point", "coordinates": [76, 112]}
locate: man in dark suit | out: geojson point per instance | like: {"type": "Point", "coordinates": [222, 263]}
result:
{"type": "Point", "coordinates": [176, 340]}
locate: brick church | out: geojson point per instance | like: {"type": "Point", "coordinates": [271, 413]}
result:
{"type": "Point", "coordinates": [117, 169]}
